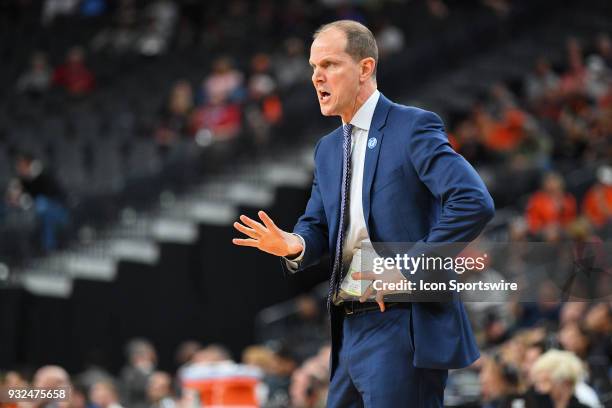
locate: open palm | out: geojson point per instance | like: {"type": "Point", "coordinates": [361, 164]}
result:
{"type": "Point", "coordinates": [267, 237]}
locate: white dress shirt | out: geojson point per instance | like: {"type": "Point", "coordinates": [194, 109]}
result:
{"type": "Point", "coordinates": [357, 231]}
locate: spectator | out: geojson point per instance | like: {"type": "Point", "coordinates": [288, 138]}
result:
{"type": "Point", "coordinates": [159, 390]}
{"type": "Point", "coordinates": [597, 79]}
{"type": "Point", "coordinates": [186, 351]}
{"type": "Point", "coordinates": [546, 310]}
{"type": "Point", "coordinates": [604, 48]}
{"type": "Point", "coordinates": [530, 355]}
{"type": "Point", "coordinates": [500, 383]}
{"type": "Point", "coordinates": [542, 85]}
{"type": "Point", "coordinates": [73, 75]}
{"type": "Point", "coordinates": [14, 379]}
{"type": "Point", "coordinates": [142, 360]}
{"type": "Point", "coordinates": [264, 108]}
{"type": "Point", "coordinates": [437, 9]}
{"type": "Point", "coordinates": [161, 17]}
{"type": "Point", "coordinates": [174, 116]}
{"type": "Point", "coordinates": [598, 322]}
{"type": "Point", "coordinates": [556, 374]}
{"type": "Point", "coordinates": [224, 83]}
{"type": "Point", "coordinates": [94, 370]}
{"type": "Point", "coordinates": [121, 37]}
{"type": "Point", "coordinates": [597, 203]}
{"type": "Point", "coordinates": [390, 39]}
{"type": "Point", "coordinates": [291, 67]}
{"type": "Point", "coordinates": [309, 383]}
{"type": "Point", "coordinates": [53, 8]}
{"type": "Point", "coordinates": [218, 116]}
{"type": "Point", "coordinates": [259, 356]}
{"type": "Point", "coordinates": [103, 394]}
{"type": "Point", "coordinates": [277, 363]}
{"type": "Point", "coordinates": [53, 377]}
{"type": "Point", "coordinates": [584, 393]}
{"type": "Point", "coordinates": [151, 42]}
{"type": "Point", "coordinates": [468, 143]}
{"type": "Point", "coordinates": [502, 133]}
{"type": "Point", "coordinates": [572, 312]}
{"type": "Point", "coordinates": [35, 186]}
{"type": "Point", "coordinates": [572, 81]}
{"type": "Point", "coordinates": [307, 330]}
{"type": "Point", "coordinates": [275, 386]}
{"type": "Point", "coordinates": [37, 79]}
{"type": "Point", "coordinates": [572, 337]}
{"type": "Point", "coordinates": [551, 207]}
{"type": "Point", "coordinates": [78, 397]}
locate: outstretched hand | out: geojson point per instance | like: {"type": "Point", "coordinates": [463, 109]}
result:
{"type": "Point", "coordinates": [267, 237]}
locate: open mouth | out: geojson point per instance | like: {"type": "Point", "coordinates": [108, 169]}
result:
{"type": "Point", "coordinates": [324, 96]}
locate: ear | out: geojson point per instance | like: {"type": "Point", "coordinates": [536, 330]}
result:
{"type": "Point", "coordinates": [367, 66]}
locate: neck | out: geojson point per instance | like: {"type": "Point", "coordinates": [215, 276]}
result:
{"type": "Point", "coordinates": [365, 91]}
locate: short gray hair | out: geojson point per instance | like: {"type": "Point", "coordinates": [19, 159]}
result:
{"type": "Point", "coordinates": [360, 42]}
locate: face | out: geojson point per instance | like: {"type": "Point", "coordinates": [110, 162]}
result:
{"type": "Point", "coordinates": [542, 382]}
{"type": "Point", "coordinates": [530, 356]}
{"type": "Point", "coordinates": [22, 166]}
{"type": "Point", "coordinates": [336, 75]}
{"type": "Point", "coordinates": [553, 184]}
{"type": "Point", "coordinates": [572, 339]}
{"type": "Point", "coordinates": [102, 394]}
{"type": "Point", "coordinates": [158, 387]}
{"type": "Point", "coordinates": [491, 382]}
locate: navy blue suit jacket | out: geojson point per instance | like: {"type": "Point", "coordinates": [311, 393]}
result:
{"type": "Point", "coordinates": [416, 188]}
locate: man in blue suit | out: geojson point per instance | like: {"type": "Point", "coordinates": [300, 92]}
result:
{"type": "Point", "coordinates": [387, 175]}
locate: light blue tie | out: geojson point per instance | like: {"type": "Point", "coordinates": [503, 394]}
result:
{"type": "Point", "coordinates": [337, 270]}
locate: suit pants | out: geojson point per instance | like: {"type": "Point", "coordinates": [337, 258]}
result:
{"type": "Point", "coordinates": [375, 368]}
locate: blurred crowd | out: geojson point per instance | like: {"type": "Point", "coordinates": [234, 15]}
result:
{"type": "Point", "coordinates": [558, 121]}
{"type": "Point", "coordinates": [236, 103]}
{"type": "Point", "coordinates": [266, 375]}
{"type": "Point", "coordinates": [539, 354]}
{"type": "Point", "coordinates": [561, 358]}
{"type": "Point", "coordinates": [561, 112]}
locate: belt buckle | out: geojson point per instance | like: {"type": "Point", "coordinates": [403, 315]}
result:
{"type": "Point", "coordinates": [350, 311]}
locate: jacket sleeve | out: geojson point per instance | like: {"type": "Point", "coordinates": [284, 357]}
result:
{"type": "Point", "coordinates": [466, 204]}
{"type": "Point", "coordinates": [312, 227]}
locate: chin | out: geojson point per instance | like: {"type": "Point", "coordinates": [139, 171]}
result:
{"type": "Point", "coordinates": [326, 111]}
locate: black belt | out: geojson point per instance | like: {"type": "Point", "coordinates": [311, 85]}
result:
{"type": "Point", "coordinates": [353, 308]}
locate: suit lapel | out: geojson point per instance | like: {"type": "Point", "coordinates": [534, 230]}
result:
{"type": "Point", "coordinates": [371, 157]}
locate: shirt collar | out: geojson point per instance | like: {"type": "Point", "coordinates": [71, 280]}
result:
{"type": "Point", "coordinates": [363, 117]}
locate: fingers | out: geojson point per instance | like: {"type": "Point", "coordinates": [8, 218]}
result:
{"type": "Point", "coordinates": [267, 220]}
{"type": "Point", "coordinates": [245, 242]}
{"type": "Point", "coordinates": [246, 231]}
{"type": "Point", "coordinates": [253, 224]}
{"type": "Point", "coordinates": [379, 297]}
{"type": "Point", "coordinates": [368, 293]}
{"type": "Point", "coordinates": [365, 276]}
{"type": "Point", "coordinates": [381, 302]}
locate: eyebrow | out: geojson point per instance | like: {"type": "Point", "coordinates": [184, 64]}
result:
{"type": "Point", "coordinates": [324, 60]}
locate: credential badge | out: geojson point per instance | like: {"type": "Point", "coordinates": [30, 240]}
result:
{"type": "Point", "coordinates": [372, 142]}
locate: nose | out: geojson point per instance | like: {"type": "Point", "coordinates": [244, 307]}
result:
{"type": "Point", "coordinates": [317, 76]}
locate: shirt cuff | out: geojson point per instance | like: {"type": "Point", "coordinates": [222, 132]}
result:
{"type": "Point", "coordinates": [294, 263]}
